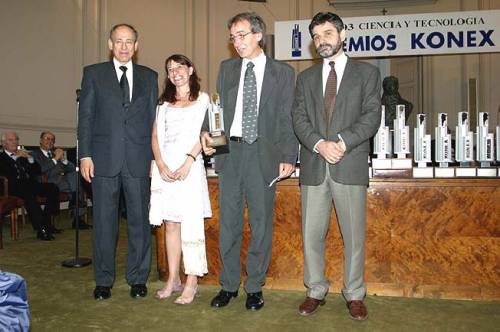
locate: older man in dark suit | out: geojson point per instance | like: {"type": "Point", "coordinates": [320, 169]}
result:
{"type": "Point", "coordinates": [256, 93]}
{"type": "Point", "coordinates": [336, 111]}
{"type": "Point", "coordinates": [117, 110]}
{"type": "Point", "coordinates": [58, 170]}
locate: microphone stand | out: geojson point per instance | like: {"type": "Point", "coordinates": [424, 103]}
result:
{"type": "Point", "coordinates": [77, 261]}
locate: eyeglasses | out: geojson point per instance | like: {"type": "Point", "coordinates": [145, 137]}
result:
{"type": "Point", "coordinates": [238, 37]}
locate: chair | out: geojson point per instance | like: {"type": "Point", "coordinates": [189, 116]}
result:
{"type": "Point", "coordinates": [63, 197]}
{"type": "Point", "coordinates": [8, 201]}
{"type": "Point", "coordinates": [8, 205]}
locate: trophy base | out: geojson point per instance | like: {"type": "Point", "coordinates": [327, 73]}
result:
{"type": "Point", "coordinates": [391, 173]}
{"type": "Point", "coordinates": [465, 171]}
{"type": "Point", "coordinates": [218, 140]}
{"type": "Point", "coordinates": [487, 172]}
{"type": "Point", "coordinates": [381, 163]}
{"type": "Point", "coordinates": [401, 163]}
{"type": "Point", "coordinates": [211, 172]}
{"type": "Point", "coordinates": [444, 172]}
{"type": "Point", "coordinates": [423, 172]}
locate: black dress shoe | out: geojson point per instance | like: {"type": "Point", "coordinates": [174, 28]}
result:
{"type": "Point", "coordinates": [138, 290]}
{"type": "Point", "coordinates": [55, 230]}
{"type": "Point", "coordinates": [102, 292]}
{"type": "Point", "coordinates": [44, 235]}
{"type": "Point", "coordinates": [255, 301]}
{"type": "Point", "coordinates": [222, 299]}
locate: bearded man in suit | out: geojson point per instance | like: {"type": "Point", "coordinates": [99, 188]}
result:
{"type": "Point", "coordinates": [117, 109]}
{"type": "Point", "coordinates": [336, 111]}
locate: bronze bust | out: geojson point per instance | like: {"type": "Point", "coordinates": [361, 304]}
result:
{"type": "Point", "coordinates": [391, 98]}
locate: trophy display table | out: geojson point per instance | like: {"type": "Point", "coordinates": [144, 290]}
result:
{"type": "Point", "coordinates": [433, 238]}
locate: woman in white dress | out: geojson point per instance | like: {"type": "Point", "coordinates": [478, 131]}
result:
{"type": "Point", "coordinates": [179, 191]}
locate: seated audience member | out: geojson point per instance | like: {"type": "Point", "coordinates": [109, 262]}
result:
{"type": "Point", "coordinates": [59, 171]}
{"type": "Point", "coordinates": [21, 171]}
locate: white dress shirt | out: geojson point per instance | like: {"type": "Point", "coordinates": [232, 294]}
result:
{"type": "Point", "coordinates": [130, 75]}
{"type": "Point", "coordinates": [259, 68]}
{"type": "Point", "coordinates": [340, 63]}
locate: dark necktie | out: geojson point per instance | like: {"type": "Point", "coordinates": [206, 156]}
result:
{"type": "Point", "coordinates": [330, 92]}
{"type": "Point", "coordinates": [21, 172]}
{"type": "Point", "coordinates": [249, 117]}
{"type": "Point", "coordinates": [49, 154]}
{"type": "Point", "coordinates": [125, 87]}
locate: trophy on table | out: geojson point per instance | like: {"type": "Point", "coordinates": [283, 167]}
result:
{"type": "Point", "coordinates": [485, 146]}
{"type": "Point", "coordinates": [382, 145]}
{"type": "Point", "coordinates": [443, 148]}
{"type": "Point", "coordinates": [216, 124]}
{"type": "Point", "coordinates": [422, 149]}
{"type": "Point", "coordinates": [401, 140]}
{"type": "Point", "coordinates": [464, 146]}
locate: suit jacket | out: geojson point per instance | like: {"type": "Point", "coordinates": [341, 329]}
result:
{"type": "Point", "coordinates": [356, 117]}
{"type": "Point", "coordinates": [55, 172]}
{"type": "Point", "coordinates": [276, 141]}
{"type": "Point", "coordinates": [109, 132]}
{"type": "Point", "coordinates": [9, 170]}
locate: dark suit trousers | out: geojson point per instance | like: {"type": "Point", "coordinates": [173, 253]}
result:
{"type": "Point", "coordinates": [106, 193]}
{"type": "Point", "coordinates": [28, 190]}
{"type": "Point", "coordinates": [241, 181]}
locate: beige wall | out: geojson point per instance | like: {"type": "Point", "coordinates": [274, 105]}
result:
{"type": "Point", "coordinates": [45, 43]}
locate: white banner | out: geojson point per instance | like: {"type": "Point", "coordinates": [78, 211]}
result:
{"type": "Point", "coordinates": [380, 36]}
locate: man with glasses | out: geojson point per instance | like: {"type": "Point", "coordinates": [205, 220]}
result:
{"type": "Point", "coordinates": [256, 94]}
{"type": "Point", "coordinates": [117, 109]}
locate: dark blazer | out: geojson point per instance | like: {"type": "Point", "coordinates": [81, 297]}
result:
{"type": "Point", "coordinates": [109, 134]}
{"type": "Point", "coordinates": [356, 117]}
{"type": "Point", "coordinates": [276, 141]}
{"type": "Point", "coordinates": [54, 172]}
{"type": "Point", "coordinates": [8, 169]}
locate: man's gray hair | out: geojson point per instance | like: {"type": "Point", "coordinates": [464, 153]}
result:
{"type": "Point", "coordinates": [256, 23]}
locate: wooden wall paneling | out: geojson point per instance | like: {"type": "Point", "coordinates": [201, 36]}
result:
{"type": "Point", "coordinates": [424, 238]}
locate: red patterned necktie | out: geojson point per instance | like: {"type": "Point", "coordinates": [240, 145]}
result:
{"type": "Point", "coordinates": [330, 92]}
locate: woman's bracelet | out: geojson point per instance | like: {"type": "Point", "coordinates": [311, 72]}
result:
{"type": "Point", "coordinates": [190, 155]}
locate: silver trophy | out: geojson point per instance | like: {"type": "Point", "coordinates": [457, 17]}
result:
{"type": "Point", "coordinates": [464, 149]}
{"type": "Point", "coordinates": [382, 145]}
{"type": "Point", "coordinates": [401, 140]}
{"type": "Point", "coordinates": [485, 146]}
{"type": "Point", "coordinates": [443, 148]}
{"type": "Point", "coordinates": [422, 149]}
{"type": "Point", "coordinates": [216, 123]}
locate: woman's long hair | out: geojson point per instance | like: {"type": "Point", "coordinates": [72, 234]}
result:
{"type": "Point", "coordinates": [169, 90]}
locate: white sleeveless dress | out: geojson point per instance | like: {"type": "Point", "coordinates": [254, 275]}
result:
{"type": "Point", "coordinates": [187, 201]}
